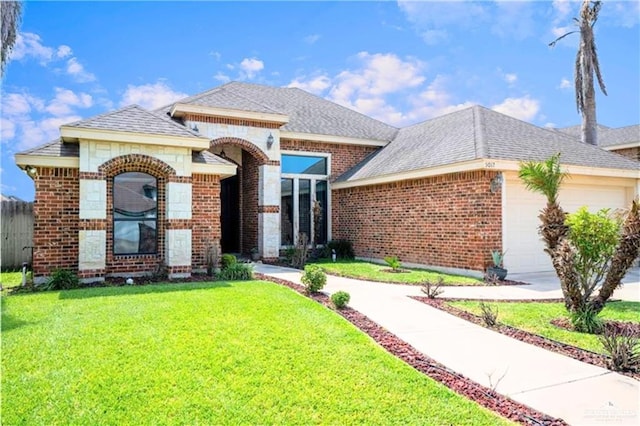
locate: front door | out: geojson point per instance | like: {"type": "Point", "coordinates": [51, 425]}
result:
{"type": "Point", "coordinates": [230, 215]}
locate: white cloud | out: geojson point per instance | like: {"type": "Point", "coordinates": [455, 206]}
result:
{"type": "Point", "coordinates": [150, 96]}
{"type": "Point", "coordinates": [29, 45]}
{"type": "Point", "coordinates": [434, 37]}
{"type": "Point", "coordinates": [222, 77]}
{"type": "Point", "coordinates": [77, 71]}
{"type": "Point", "coordinates": [251, 67]}
{"type": "Point", "coordinates": [315, 85]}
{"type": "Point", "coordinates": [7, 129]}
{"type": "Point", "coordinates": [63, 51]}
{"type": "Point", "coordinates": [66, 100]}
{"type": "Point", "coordinates": [523, 108]}
{"type": "Point", "coordinates": [564, 84]}
{"type": "Point", "coordinates": [312, 38]}
{"type": "Point", "coordinates": [216, 55]}
{"type": "Point", "coordinates": [20, 104]}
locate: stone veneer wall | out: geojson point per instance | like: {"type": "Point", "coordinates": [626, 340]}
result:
{"type": "Point", "coordinates": [56, 221]}
{"type": "Point", "coordinates": [632, 153]}
{"type": "Point", "coordinates": [206, 229]}
{"type": "Point", "coordinates": [250, 182]}
{"type": "Point", "coordinates": [451, 221]}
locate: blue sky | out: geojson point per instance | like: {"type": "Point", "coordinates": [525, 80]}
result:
{"type": "Point", "coordinates": [401, 62]}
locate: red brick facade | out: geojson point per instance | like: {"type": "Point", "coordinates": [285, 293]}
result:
{"type": "Point", "coordinates": [56, 220]}
{"type": "Point", "coordinates": [250, 182]}
{"type": "Point", "coordinates": [205, 213]}
{"type": "Point", "coordinates": [632, 153]}
{"type": "Point", "coordinates": [451, 220]}
{"type": "Point", "coordinates": [343, 157]}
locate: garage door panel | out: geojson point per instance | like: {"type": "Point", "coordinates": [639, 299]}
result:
{"type": "Point", "coordinates": [524, 246]}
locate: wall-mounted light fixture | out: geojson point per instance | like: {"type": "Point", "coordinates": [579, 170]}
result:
{"type": "Point", "coordinates": [31, 171]}
{"type": "Point", "coordinates": [194, 128]}
{"type": "Point", "coordinates": [269, 141]}
{"type": "Point", "coordinates": [496, 182]}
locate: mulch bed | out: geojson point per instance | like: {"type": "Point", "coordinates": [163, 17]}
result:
{"type": "Point", "coordinates": [482, 395]}
{"type": "Point", "coordinates": [583, 355]}
{"type": "Point", "coordinates": [486, 284]}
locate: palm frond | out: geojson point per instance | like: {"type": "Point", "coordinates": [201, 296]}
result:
{"type": "Point", "coordinates": [543, 177]}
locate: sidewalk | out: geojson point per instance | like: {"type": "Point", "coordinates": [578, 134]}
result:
{"type": "Point", "coordinates": [579, 393]}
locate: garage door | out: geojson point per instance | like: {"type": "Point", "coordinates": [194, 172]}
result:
{"type": "Point", "coordinates": [525, 249]}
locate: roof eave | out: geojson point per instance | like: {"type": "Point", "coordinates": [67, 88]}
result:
{"type": "Point", "coordinates": [180, 110]}
{"type": "Point", "coordinates": [24, 160]}
{"type": "Point", "coordinates": [482, 164]}
{"type": "Point", "coordinates": [74, 134]}
{"type": "Point", "coordinates": [223, 170]}
{"type": "Point", "coordinates": [344, 140]}
{"type": "Point", "coordinates": [622, 146]}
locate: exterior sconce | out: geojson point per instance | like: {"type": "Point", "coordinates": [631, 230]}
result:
{"type": "Point", "coordinates": [496, 183]}
{"type": "Point", "coordinates": [194, 128]}
{"type": "Point", "coordinates": [31, 171]}
{"type": "Point", "coordinates": [269, 141]}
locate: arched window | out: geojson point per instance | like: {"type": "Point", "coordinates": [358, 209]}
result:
{"type": "Point", "coordinates": [135, 213]}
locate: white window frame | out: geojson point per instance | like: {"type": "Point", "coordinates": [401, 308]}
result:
{"type": "Point", "coordinates": [296, 186]}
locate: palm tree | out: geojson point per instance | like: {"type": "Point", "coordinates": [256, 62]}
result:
{"type": "Point", "coordinates": [546, 178]}
{"type": "Point", "coordinates": [586, 66]}
{"type": "Point", "coordinates": [10, 15]}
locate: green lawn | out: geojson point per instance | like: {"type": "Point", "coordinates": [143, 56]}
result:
{"type": "Point", "coordinates": [10, 279]}
{"type": "Point", "coordinates": [206, 353]}
{"type": "Point", "coordinates": [374, 272]}
{"type": "Point", "coordinates": [535, 318]}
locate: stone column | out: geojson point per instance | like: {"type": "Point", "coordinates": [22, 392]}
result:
{"type": "Point", "coordinates": [269, 212]}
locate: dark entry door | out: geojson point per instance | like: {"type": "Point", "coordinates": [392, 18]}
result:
{"type": "Point", "coordinates": [230, 215]}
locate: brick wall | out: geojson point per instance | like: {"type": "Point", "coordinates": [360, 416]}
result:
{"type": "Point", "coordinates": [249, 202]}
{"type": "Point", "coordinates": [450, 221]}
{"type": "Point", "coordinates": [55, 231]}
{"type": "Point", "coordinates": [343, 157]}
{"type": "Point", "coordinates": [632, 153]}
{"type": "Point", "coordinates": [206, 229]}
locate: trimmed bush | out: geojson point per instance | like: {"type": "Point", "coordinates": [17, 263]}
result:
{"type": "Point", "coordinates": [393, 262]}
{"type": "Point", "coordinates": [236, 272]}
{"type": "Point", "coordinates": [340, 299]}
{"type": "Point", "coordinates": [227, 260]}
{"type": "Point", "coordinates": [62, 279]}
{"type": "Point", "coordinates": [313, 279]}
{"type": "Point", "coordinates": [343, 248]}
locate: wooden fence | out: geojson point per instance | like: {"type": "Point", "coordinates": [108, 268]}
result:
{"type": "Point", "coordinates": [16, 222]}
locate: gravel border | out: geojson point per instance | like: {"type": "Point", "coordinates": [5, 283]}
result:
{"type": "Point", "coordinates": [462, 385]}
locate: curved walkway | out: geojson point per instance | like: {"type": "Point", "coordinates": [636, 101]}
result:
{"type": "Point", "coordinates": [579, 393]}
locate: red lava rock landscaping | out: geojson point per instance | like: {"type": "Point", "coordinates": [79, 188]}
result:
{"type": "Point", "coordinates": [482, 395]}
{"type": "Point", "coordinates": [533, 339]}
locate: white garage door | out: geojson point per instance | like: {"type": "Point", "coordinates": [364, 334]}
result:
{"type": "Point", "coordinates": [525, 249]}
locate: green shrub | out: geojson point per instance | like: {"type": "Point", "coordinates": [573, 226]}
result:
{"type": "Point", "coordinates": [340, 299]}
{"type": "Point", "coordinates": [343, 248]}
{"type": "Point", "coordinates": [623, 348]}
{"type": "Point", "coordinates": [236, 272]}
{"type": "Point", "coordinates": [393, 262]}
{"type": "Point", "coordinates": [313, 278]}
{"type": "Point", "coordinates": [62, 279]}
{"type": "Point", "coordinates": [227, 261]}
{"type": "Point", "coordinates": [586, 320]}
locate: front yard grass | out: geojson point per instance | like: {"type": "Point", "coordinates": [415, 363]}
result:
{"type": "Point", "coordinates": [374, 272]}
{"type": "Point", "coordinates": [535, 317]}
{"type": "Point", "coordinates": [206, 353]}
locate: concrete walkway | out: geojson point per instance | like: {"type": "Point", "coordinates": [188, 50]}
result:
{"type": "Point", "coordinates": [579, 393]}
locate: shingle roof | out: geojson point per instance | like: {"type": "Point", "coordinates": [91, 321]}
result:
{"type": "Point", "coordinates": [56, 148]}
{"type": "Point", "coordinates": [619, 136]}
{"type": "Point", "coordinates": [576, 131]}
{"type": "Point", "coordinates": [307, 113]}
{"type": "Point", "coordinates": [206, 157]}
{"type": "Point", "coordinates": [138, 120]}
{"type": "Point", "coordinates": [476, 133]}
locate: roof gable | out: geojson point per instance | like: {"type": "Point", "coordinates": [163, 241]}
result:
{"type": "Point", "coordinates": [307, 113]}
{"type": "Point", "coordinates": [479, 133]}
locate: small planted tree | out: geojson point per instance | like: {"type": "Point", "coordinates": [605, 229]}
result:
{"type": "Point", "coordinates": [586, 249]}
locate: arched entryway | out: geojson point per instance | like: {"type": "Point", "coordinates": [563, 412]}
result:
{"type": "Point", "coordinates": [239, 195]}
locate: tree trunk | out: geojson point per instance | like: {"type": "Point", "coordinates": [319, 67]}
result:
{"type": "Point", "coordinates": [628, 250]}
